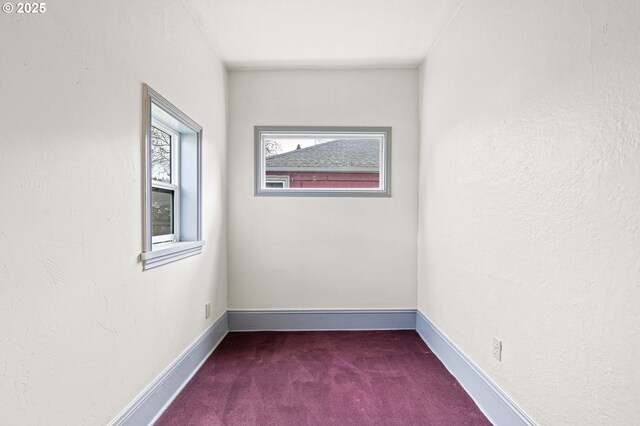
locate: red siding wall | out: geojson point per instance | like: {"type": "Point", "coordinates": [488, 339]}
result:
{"type": "Point", "coordinates": [331, 180]}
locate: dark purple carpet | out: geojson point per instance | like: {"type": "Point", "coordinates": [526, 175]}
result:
{"type": "Point", "coordinates": [323, 378]}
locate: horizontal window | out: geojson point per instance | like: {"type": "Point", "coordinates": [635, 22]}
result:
{"type": "Point", "coordinates": [277, 181]}
{"type": "Point", "coordinates": [322, 161]}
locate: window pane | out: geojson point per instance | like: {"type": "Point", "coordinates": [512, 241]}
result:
{"type": "Point", "coordinates": [160, 155]}
{"type": "Point", "coordinates": [324, 161]}
{"type": "Point", "coordinates": [161, 211]}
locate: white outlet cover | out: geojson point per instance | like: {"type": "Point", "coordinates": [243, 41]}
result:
{"type": "Point", "coordinates": [497, 349]}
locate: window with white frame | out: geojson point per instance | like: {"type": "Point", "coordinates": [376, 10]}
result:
{"type": "Point", "coordinates": [322, 161]}
{"type": "Point", "coordinates": [165, 189]}
{"type": "Point", "coordinates": [172, 196]}
{"type": "Point", "coordinates": [275, 181]}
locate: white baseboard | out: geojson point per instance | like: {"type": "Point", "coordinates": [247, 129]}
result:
{"type": "Point", "coordinates": [493, 402]}
{"type": "Point", "coordinates": [147, 407]}
{"type": "Point", "coordinates": [350, 319]}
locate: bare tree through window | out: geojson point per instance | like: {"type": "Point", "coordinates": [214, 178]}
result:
{"type": "Point", "coordinates": [160, 155]}
{"type": "Point", "coordinates": [271, 148]}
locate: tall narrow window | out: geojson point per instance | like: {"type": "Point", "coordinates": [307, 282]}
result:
{"type": "Point", "coordinates": [165, 191]}
{"type": "Point", "coordinates": [172, 202]}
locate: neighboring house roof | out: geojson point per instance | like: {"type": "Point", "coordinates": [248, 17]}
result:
{"type": "Point", "coordinates": [356, 155]}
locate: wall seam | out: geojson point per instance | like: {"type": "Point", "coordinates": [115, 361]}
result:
{"type": "Point", "coordinates": [446, 28]}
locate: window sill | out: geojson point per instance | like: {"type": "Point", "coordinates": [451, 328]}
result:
{"type": "Point", "coordinates": [170, 252]}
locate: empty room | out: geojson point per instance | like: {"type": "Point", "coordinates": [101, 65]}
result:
{"type": "Point", "coordinates": [320, 212]}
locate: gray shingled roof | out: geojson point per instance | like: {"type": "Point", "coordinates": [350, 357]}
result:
{"type": "Point", "coordinates": [338, 154]}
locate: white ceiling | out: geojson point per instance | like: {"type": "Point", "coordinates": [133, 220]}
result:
{"type": "Point", "coordinates": [322, 33]}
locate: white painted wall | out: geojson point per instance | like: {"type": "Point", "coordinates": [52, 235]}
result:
{"type": "Point", "coordinates": [317, 252]}
{"type": "Point", "coordinates": [83, 329]}
{"type": "Point", "coordinates": [530, 201]}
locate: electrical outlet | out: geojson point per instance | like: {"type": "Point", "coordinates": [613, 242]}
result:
{"type": "Point", "coordinates": [497, 349]}
{"type": "Point", "coordinates": [207, 310]}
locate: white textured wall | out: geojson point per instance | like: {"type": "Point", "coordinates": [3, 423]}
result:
{"type": "Point", "coordinates": [82, 328]}
{"type": "Point", "coordinates": [319, 252]}
{"type": "Point", "coordinates": [530, 201]}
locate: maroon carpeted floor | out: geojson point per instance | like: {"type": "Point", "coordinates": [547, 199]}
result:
{"type": "Point", "coordinates": [323, 378]}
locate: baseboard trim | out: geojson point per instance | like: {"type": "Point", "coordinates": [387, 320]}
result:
{"type": "Point", "coordinates": [147, 407]}
{"type": "Point", "coordinates": [300, 320]}
{"type": "Point", "coordinates": [493, 402]}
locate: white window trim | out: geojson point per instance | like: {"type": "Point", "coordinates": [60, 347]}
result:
{"type": "Point", "coordinates": [170, 252]}
{"type": "Point", "coordinates": [278, 178]}
{"type": "Point", "coordinates": [158, 254]}
{"type": "Point", "coordinates": [261, 132]}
